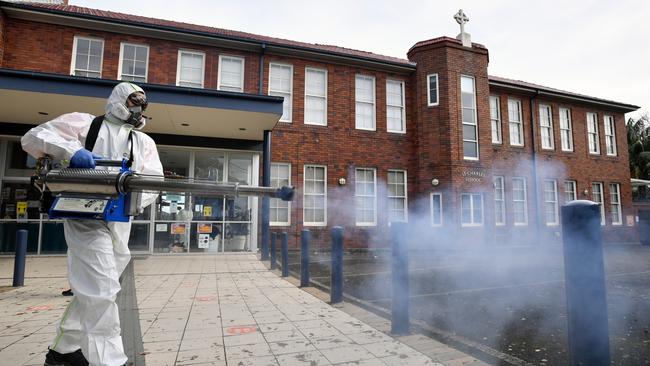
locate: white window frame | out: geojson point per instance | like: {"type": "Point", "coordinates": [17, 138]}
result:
{"type": "Point", "coordinates": [519, 125]}
{"type": "Point", "coordinates": [315, 223]}
{"type": "Point", "coordinates": [499, 185]}
{"type": "Point", "coordinates": [546, 127]}
{"type": "Point", "coordinates": [573, 191]}
{"type": "Point", "coordinates": [277, 200]}
{"type": "Point", "coordinates": [402, 107]}
{"type": "Point", "coordinates": [241, 78]}
{"type": "Point", "coordinates": [374, 103]}
{"type": "Point", "coordinates": [475, 119]}
{"type": "Point", "coordinates": [374, 197]}
{"type": "Point", "coordinates": [404, 197]}
{"type": "Point", "coordinates": [288, 100]}
{"type": "Point", "coordinates": [566, 130]}
{"type": "Point", "coordinates": [495, 120]}
{"type": "Point", "coordinates": [307, 95]}
{"type": "Point", "coordinates": [429, 90]}
{"type": "Point", "coordinates": [431, 205]}
{"type": "Point", "coordinates": [121, 61]}
{"type": "Point", "coordinates": [592, 131]}
{"type": "Point", "coordinates": [615, 203]}
{"type": "Point", "coordinates": [554, 202]}
{"type": "Point", "coordinates": [471, 207]}
{"type": "Point", "coordinates": [610, 136]}
{"type": "Point", "coordinates": [178, 67]}
{"type": "Point", "coordinates": [601, 201]}
{"type": "Point", "coordinates": [73, 62]}
{"type": "Point", "coordinates": [515, 201]}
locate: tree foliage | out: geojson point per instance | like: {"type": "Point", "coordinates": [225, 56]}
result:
{"type": "Point", "coordinates": [638, 142]}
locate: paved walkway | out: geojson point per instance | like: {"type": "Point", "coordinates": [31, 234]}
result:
{"type": "Point", "coordinates": [216, 310]}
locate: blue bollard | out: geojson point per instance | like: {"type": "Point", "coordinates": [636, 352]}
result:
{"type": "Point", "coordinates": [304, 258]}
{"type": "Point", "coordinates": [336, 292]}
{"type": "Point", "coordinates": [400, 302]}
{"type": "Point", "coordinates": [585, 284]}
{"type": "Point", "coordinates": [285, 254]}
{"type": "Point", "coordinates": [274, 263]}
{"type": "Point", "coordinates": [19, 260]}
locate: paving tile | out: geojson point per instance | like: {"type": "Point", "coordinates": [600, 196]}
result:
{"type": "Point", "coordinates": [284, 347]}
{"type": "Point", "coordinates": [254, 361]}
{"type": "Point", "coordinates": [248, 350]}
{"type": "Point", "coordinates": [204, 355]}
{"type": "Point", "coordinates": [346, 354]}
{"type": "Point", "coordinates": [409, 360]}
{"type": "Point", "coordinates": [313, 358]}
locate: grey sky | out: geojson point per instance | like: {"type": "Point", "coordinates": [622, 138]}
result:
{"type": "Point", "coordinates": [598, 48]}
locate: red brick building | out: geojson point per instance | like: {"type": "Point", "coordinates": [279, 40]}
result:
{"type": "Point", "coordinates": [367, 139]}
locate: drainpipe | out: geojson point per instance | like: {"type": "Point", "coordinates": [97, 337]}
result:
{"type": "Point", "coordinates": [533, 123]}
{"type": "Point", "coordinates": [261, 78]}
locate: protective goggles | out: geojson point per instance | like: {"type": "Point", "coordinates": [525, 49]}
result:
{"type": "Point", "coordinates": [138, 100]}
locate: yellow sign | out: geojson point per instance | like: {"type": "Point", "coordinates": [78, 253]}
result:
{"type": "Point", "coordinates": [178, 228]}
{"type": "Point", "coordinates": [21, 208]}
{"type": "Point", "coordinates": [207, 210]}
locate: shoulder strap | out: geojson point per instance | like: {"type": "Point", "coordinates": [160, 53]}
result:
{"type": "Point", "coordinates": [91, 138]}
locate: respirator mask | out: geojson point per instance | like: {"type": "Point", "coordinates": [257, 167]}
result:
{"type": "Point", "coordinates": [131, 112]}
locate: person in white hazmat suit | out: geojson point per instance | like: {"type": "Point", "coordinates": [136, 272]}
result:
{"type": "Point", "coordinates": [89, 330]}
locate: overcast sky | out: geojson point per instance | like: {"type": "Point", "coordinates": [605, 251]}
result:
{"type": "Point", "coordinates": [599, 48]}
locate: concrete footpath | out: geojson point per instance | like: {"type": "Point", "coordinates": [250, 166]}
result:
{"type": "Point", "coordinates": [226, 309]}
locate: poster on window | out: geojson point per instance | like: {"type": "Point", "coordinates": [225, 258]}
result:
{"type": "Point", "coordinates": [21, 211]}
{"type": "Point", "coordinates": [6, 193]}
{"type": "Point", "coordinates": [20, 194]}
{"type": "Point", "coordinates": [178, 228]}
{"type": "Point", "coordinates": [204, 228]}
{"type": "Point", "coordinates": [204, 241]}
{"type": "Point", "coordinates": [207, 210]}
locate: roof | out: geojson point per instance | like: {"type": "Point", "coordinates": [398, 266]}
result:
{"type": "Point", "coordinates": [512, 83]}
{"type": "Point", "coordinates": [217, 32]}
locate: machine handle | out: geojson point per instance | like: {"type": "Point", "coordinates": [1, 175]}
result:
{"type": "Point", "coordinates": [106, 162]}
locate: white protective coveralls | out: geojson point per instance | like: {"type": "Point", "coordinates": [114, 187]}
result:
{"type": "Point", "coordinates": [97, 250]}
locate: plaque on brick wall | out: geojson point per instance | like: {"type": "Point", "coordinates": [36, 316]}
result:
{"type": "Point", "coordinates": [473, 176]}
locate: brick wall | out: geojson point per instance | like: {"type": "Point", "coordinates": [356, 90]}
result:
{"type": "Point", "coordinates": [431, 148]}
{"type": "Point", "coordinates": [2, 35]}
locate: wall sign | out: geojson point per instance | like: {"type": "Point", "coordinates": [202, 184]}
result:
{"type": "Point", "coordinates": [473, 176]}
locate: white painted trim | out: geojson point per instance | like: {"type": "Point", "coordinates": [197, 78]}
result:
{"type": "Point", "coordinates": [520, 125]}
{"type": "Point", "coordinates": [471, 208]}
{"type": "Point", "coordinates": [499, 120]}
{"type": "Point", "coordinates": [288, 222]}
{"type": "Point", "coordinates": [178, 65]}
{"type": "Point", "coordinates": [243, 70]}
{"type": "Point", "coordinates": [555, 207]}
{"type": "Point", "coordinates": [550, 126]}
{"type": "Point", "coordinates": [121, 60]}
{"type": "Point", "coordinates": [406, 193]}
{"type": "Point", "coordinates": [374, 203]}
{"type": "Point", "coordinates": [433, 224]}
{"type": "Point", "coordinates": [609, 120]}
{"type": "Point", "coordinates": [74, 54]}
{"type": "Point", "coordinates": [570, 129]}
{"type": "Point", "coordinates": [525, 201]}
{"type": "Point", "coordinates": [429, 104]}
{"type": "Point", "coordinates": [403, 106]}
{"type": "Point", "coordinates": [314, 223]}
{"type": "Point", "coordinates": [324, 71]}
{"type": "Point", "coordinates": [271, 64]}
{"type": "Point", "coordinates": [619, 206]}
{"type": "Point", "coordinates": [374, 102]}
{"type": "Point", "coordinates": [475, 115]}
{"type": "Point", "coordinates": [503, 199]}
{"type": "Point", "coordinates": [596, 132]}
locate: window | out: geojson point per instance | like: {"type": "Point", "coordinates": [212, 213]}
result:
{"type": "Point", "coordinates": [365, 189]}
{"type": "Point", "coordinates": [315, 97]}
{"type": "Point", "coordinates": [546, 127]}
{"type": "Point", "coordinates": [436, 209]}
{"type": "Point", "coordinates": [550, 202]}
{"type": "Point", "coordinates": [190, 68]}
{"type": "Point", "coordinates": [315, 196]}
{"type": "Point", "coordinates": [566, 130]}
{"type": "Point", "coordinates": [281, 85]}
{"type": "Point", "coordinates": [395, 114]}
{"type": "Point", "coordinates": [432, 90]}
{"type": "Point", "coordinates": [397, 203]}
{"type": "Point", "coordinates": [364, 102]}
{"type": "Point", "coordinates": [592, 133]}
{"type": "Point", "coordinates": [495, 120]}
{"type": "Point", "coordinates": [499, 201]}
{"type": "Point", "coordinates": [515, 123]}
{"type": "Point", "coordinates": [519, 205]}
{"type": "Point", "coordinates": [470, 130]}
{"type": "Point", "coordinates": [610, 136]}
{"type": "Point", "coordinates": [471, 207]}
{"type": "Point", "coordinates": [597, 196]}
{"type": "Point", "coordinates": [231, 74]}
{"type": "Point", "coordinates": [615, 200]}
{"type": "Point", "coordinates": [279, 209]}
{"type": "Point", "coordinates": [87, 57]}
{"type": "Point", "coordinates": [570, 193]}
{"type": "Point", "coordinates": [134, 60]}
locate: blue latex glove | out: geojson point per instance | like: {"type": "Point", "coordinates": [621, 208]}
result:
{"type": "Point", "coordinates": [83, 159]}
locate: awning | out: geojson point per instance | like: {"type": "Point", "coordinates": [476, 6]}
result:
{"type": "Point", "coordinates": [33, 98]}
{"type": "Point", "coordinates": [639, 182]}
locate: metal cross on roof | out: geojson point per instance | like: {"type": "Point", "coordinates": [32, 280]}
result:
{"type": "Point", "coordinates": [461, 19]}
